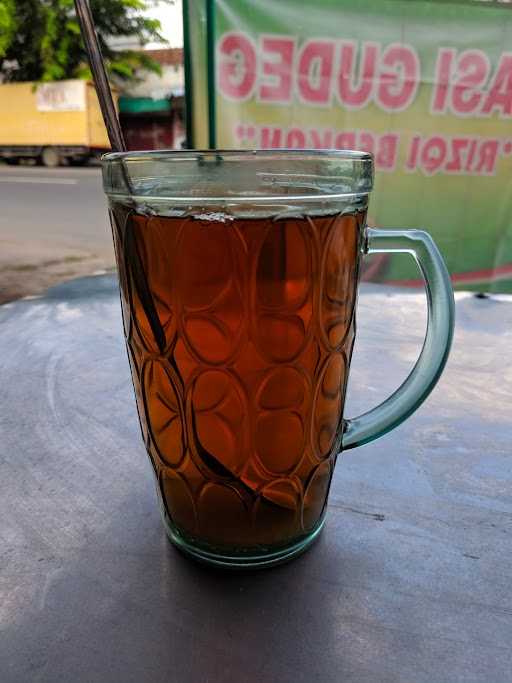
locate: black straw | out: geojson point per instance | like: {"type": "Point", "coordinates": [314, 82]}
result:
{"type": "Point", "coordinates": [97, 65]}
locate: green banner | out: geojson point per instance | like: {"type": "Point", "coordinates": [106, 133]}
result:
{"type": "Point", "coordinates": [425, 86]}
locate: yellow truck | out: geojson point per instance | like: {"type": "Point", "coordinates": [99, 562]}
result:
{"type": "Point", "coordinates": [51, 122]}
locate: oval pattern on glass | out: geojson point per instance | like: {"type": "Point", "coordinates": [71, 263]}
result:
{"type": "Point", "coordinates": [281, 338]}
{"type": "Point", "coordinates": [279, 440]}
{"type": "Point", "coordinates": [209, 338]}
{"type": "Point", "coordinates": [315, 495]}
{"type": "Point", "coordinates": [134, 358]}
{"type": "Point", "coordinates": [339, 280]}
{"type": "Point", "coordinates": [223, 516]}
{"type": "Point", "coordinates": [163, 412]}
{"type": "Point", "coordinates": [179, 500]}
{"type": "Point", "coordinates": [283, 274]}
{"type": "Point", "coordinates": [327, 407]}
{"type": "Point", "coordinates": [202, 282]}
{"type": "Point", "coordinates": [121, 274]}
{"type": "Point", "coordinates": [219, 416]}
{"type": "Point", "coordinates": [282, 388]}
{"type": "Point", "coordinates": [276, 511]}
{"type": "Point", "coordinates": [156, 259]}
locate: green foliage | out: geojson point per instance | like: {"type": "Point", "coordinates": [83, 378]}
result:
{"type": "Point", "coordinates": [7, 23]}
{"type": "Point", "coordinates": [40, 39]}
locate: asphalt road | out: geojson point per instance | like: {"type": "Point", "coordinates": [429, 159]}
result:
{"type": "Point", "coordinates": [53, 226]}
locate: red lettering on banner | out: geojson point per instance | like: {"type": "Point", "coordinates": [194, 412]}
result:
{"type": "Point", "coordinates": [444, 67]}
{"type": "Point", "coordinates": [345, 140]}
{"type": "Point", "coordinates": [279, 68]}
{"type": "Point", "coordinates": [471, 155]}
{"type": "Point", "coordinates": [237, 66]}
{"type": "Point", "coordinates": [488, 155]}
{"type": "Point", "coordinates": [316, 62]}
{"type": "Point", "coordinates": [324, 142]}
{"type": "Point", "coordinates": [296, 139]}
{"type": "Point", "coordinates": [350, 95]}
{"type": "Point", "coordinates": [271, 137]}
{"type": "Point", "coordinates": [389, 76]}
{"type": "Point", "coordinates": [398, 87]}
{"type": "Point", "coordinates": [412, 157]}
{"type": "Point", "coordinates": [385, 158]}
{"type": "Point", "coordinates": [499, 97]}
{"type": "Point", "coordinates": [366, 142]}
{"type": "Point", "coordinates": [429, 155]}
{"type": "Point", "coordinates": [457, 147]}
{"type": "Point", "coordinates": [473, 70]}
{"type": "Point", "coordinates": [433, 154]}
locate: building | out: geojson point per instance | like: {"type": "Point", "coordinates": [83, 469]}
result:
{"type": "Point", "coordinates": [151, 110]}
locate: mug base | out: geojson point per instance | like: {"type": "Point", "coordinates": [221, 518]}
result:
{"type": "Point", "coordinates": [244, 560]}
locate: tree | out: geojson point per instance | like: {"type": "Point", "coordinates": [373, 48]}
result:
{"type": "Point", "coordinates": [40, 39]}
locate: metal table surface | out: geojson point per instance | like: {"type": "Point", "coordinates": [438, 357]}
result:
{"type": "Point", "coordinates": [410, 581]}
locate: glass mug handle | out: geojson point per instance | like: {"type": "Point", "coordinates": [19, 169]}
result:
{"type": "Point", "coordinates": [432, 359]}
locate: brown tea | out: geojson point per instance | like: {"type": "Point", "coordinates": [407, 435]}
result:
{"type": "Point", "coordinates": [239, 334]}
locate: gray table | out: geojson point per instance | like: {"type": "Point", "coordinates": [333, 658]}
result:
{"type": "Point", "coordinates": [411, 580]}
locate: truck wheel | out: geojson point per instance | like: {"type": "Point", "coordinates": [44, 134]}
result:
{"type": "Point", "coordinates": [79, 161]}
{"type": "Point", "coordinates": [11, 161]}
{"type": "Point", "coordinates": [50, 157]}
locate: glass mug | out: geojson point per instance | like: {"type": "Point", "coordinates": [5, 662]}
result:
{"type": "Point", "coordinates": [238, 273]}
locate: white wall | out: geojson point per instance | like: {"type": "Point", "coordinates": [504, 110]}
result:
{"type": "Point", "coordinates": [172, 82]}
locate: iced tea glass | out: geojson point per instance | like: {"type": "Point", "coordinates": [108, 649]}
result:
{"type": "Point", "coordinates": [238, 273]}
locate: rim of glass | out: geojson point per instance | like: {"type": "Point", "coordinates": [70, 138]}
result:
{"type": "Point", "coordinates": [351, 159]}
{"type": "Point", "coordinates": [342, 154]}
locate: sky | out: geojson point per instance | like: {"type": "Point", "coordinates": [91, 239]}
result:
{"type": "Point", "coordinates": [170, 17]}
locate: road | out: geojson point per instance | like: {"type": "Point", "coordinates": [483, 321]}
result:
{"type": "Point", "coordinates": [53, 226]}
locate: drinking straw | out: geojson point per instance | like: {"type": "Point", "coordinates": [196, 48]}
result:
{"type": "Point", "coordinates": [101, 83]}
